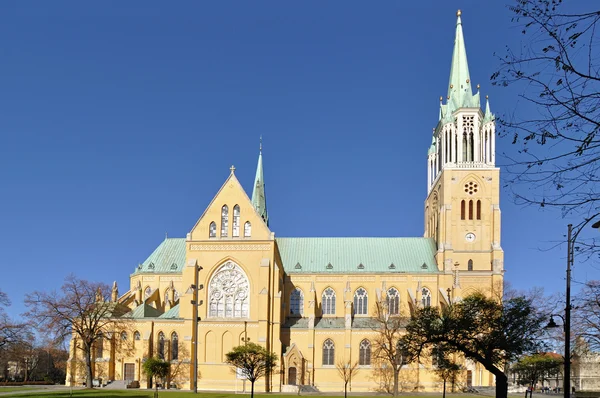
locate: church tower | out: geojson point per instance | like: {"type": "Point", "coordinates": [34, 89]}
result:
{"type": "Point", "coordinates": [462, 211]}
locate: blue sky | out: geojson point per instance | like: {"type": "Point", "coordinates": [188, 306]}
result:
{"type": "Point", "coordinates": [119, 122]}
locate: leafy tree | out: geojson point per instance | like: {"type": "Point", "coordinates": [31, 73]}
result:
{"type": "Point", "coordinates": [80, 310]}
{"type": "Point", "coordinates": [346, 371]}
{"type": "Point", "coordinates": [483, 329]}
{"type": "Point", "coordinates": [252, 360]}
{"type": "Point", "coordinates": [532, 368]}
{"type": "Point", "coordinates": [157, 369]}
{"type": "Point", "coordinates": [387, 344]}
{"type": "Point", "coordinates": [557, 70]}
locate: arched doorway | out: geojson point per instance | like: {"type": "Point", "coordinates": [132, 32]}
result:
{"type": "Point", "coordinates": [292, 376]}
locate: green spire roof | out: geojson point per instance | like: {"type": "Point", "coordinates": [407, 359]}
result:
{"type": "Point", "coordinates": [488, 115]}
{"type": "Point", "coordinates": [460, 93]}
{"type": "Point", "coordinates": [259, 199]}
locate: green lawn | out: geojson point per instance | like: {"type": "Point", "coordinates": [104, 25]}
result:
{"type": "Point", "coordinates": [11, 389]}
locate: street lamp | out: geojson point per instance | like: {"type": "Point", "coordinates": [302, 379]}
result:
{"type": "Point", "coordinates": [195, 321]}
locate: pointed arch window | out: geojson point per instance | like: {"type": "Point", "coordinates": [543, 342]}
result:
{"type": "Point", "coordinates": [136, 336]}
{"type": "Point", "coordinates": [462, 209]}
{"type": "Point", "coordinates": [470, 209]}
{"type": "Point", "coordinates": [364, 353]}
{"type": "Point", "coordinates": [393, 301]}
{"type": "Point", "coordinates": [228, 292]}
{"type": "Point", "coordinates": [124, 336]}
{"type": "Point", "coordinates": [174, 346]}
{"type": "Point", "coordinates": [328, 352]}
{"type": "Point", "coordinates": [161, 346]}
{"type": "Point", "coordinates": [100, 347]}
{"type": "Point", "coordinates": [361, 306]}
{"type": "Point", "coordinates": [224, 220]}
{"type": "Point", "coordinates": [147, 292]}
{"type": "Point", "coordinates": [328, 301]}
{"type": "Point", "coordinates": [212, 230]}
{"type": "Point", "coordinates": [296, 302]}
{"type": "Point", "coordinates": [479, 209]}
{"type": "Point", "coordinates": [426, 297]}
{"type": "Point", "coordinates": [236, 221]}
{"type": "Point", "coordinates": [247, 229]}
{"type": "Point", "coordinates": [470, 265]}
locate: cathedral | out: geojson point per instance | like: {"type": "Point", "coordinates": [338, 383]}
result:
{"type": "Point", "coordinates": [311, 300]}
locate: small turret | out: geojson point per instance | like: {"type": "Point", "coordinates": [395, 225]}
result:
{"type": "Point", "coordinates": [259, 198]}
{"type": "Point", "coordinates": [115, 293]}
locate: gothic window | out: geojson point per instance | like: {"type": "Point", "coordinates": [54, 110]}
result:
{"type": "Point", "coordinates": [470, 265]}
{"type": "Point", "coordinates": [176, 296]}
{"type": "Point", "coordinates": [328, 301]}
{"type": "Point", "coordinates": [229, 292]}
{"type": "Point", "coordinates": [167, 300]}
{"type": "Point", "coordinates": [247, 229]}
{"type": "Point", "coordinates": [426, 297]}
{"type": "Point", "coordinates": [147, 292]}
{"type": "Point", "coordinates": [224, 220]}
{"type": "Point", "coordinates": [136, 335]}
{"type": "Point", "coordinates": [174, 346]}
{"type": "Point", "coordinates": [462, 210]}
{"type": "Point", "coordinates": [393, 301]}
{"type": "Point", "coordinates": [161, 346]}
{"type": "Point", "coordinates": [464, 148]}
{"type": "Point", "coordinates": [99, 347]}
{"type": "Point", "coordinates": [124, 336]}
{"type": "Point", "coordinates": [236, 221]}
{"type": "Point", "coordinates": [296, 302]}
{"type": "Point", "coordinates": [364, 353]}
{"type": "Point", "coordinates": [360, 302]}
{"type": "Point", "coordinates": [436, 356]}
{"type": "Point", "coordinates": [212, 230]}
{"type": "Point", "coordinates": [479, 209]}
{"type": "Point", "coordinates": [328, 352]}
{"type": "Point", "coordinates": [470, 209]}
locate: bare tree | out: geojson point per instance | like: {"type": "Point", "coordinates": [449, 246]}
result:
{"type": "Point", "coordinates": [558, 72]}
{"type": "Point", "coordinates": [80, 310]}
{"type": "Point", "coordinates": [586, 314]}
{"type": "Point", "coordinates": [346, 371]}
{"type": "Point", "coordinates": [10, 331]}
{"type": "Point", "coordinates": [387, 348]}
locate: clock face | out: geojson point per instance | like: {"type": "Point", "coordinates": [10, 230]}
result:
{"type": "Point", "coordinates": [470, 237]}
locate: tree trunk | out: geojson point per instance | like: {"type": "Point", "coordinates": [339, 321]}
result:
{"type": "Point", "coordinates": [501, 385]}
{"type": "Point", "coordinates": [396, 373]}
{"type": "Point", "coordinates": [88, 366]}
{"type": "Point", "coordinates": [444, 393]}
{"type": "Point", "coordinates": [252, 389]}
{"type": "Point", "coordinates": [346, 390]}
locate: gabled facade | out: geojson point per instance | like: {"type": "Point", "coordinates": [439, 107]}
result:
{"type": "Point", "coordinates": [311, 300]}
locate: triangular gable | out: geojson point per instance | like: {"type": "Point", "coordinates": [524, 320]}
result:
{"type": "Point", "coordinates": [230, 194]}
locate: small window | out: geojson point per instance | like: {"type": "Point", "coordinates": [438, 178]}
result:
{"type": "Point", "coordinates": [173, 267]}
{"type": "Point", "coordinates": [462, 209]}
{"type": "Point", "coordinates": [479, 209]}
{"type": "Point", "coordinates": [328, 301]}
{"type": "Point", "coordinates": [100, 347]}
{"type": "Point", "coordinates": [247, 229]}
{"type": "Point", "coordinates": [124, 336]}
{"type": "Point", "coordinates": [136, 336]}
{"type": "Point", "coordinates": [361, 302]}
{"type": "Point", "coordinates": [470, 265]}
{"type": "Point", "coordinates": [328, 353]}
{"type": "Point", "coordinates": [424, 266]}
{"type": "Point", "coordinates": [236, 221]}
{"type": "Point", "coordinates": [392, 266]}
{"type": "Point", "coordinates": [426, 297]}
{"type": "Point", "coordinates": [147, 292]}
{"type": "Point", "coordinates": [174, 346]}
{"type": "Point", "coordinates": [361, 266]}
{"type": "Point", "coordinates": [393, 301]}
{"type": "Point", "coordinates": [364, 353]}
{"type": "Point", "coordinates": [212, 230]}
{"type": "Point", "coordinates": [329, 266]}
{"type": "Point", "coordinates": [298, 266]}
{"type": "Point", "coordinates": [151, 266]}
{"type": "Point", "coordinates": [470, 209]}
{"type": "Point", "coordinates": [161, 346]}
{"type": "Point", "coordinates": [224, 221]}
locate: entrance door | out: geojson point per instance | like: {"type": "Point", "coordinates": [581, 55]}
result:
{"type": "Point", "coordinates": [129, 373]}
{"type": "Point", "coordinates": [292, 376]}
{"type": "Point", "coordinates": [469, 378]}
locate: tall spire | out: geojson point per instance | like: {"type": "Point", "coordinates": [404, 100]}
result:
{"type": "Point", "coordinates": [259, 199]}
{"type": "Point", "coordinates": [460, 93]}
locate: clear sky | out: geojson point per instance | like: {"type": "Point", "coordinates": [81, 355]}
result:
{"type": "Point", "coordinates": [119, 122]}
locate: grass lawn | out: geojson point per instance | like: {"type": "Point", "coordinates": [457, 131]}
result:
{"type": "Point", "coordinates": [11, 389]}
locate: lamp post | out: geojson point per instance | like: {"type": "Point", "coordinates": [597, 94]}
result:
{"type": "Point", "coordinates": [195, 321]}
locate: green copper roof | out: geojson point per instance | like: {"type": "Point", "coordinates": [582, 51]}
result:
{"type": "Point", "coordinates": [357, 255]}
{"type": "Point", "coordinates": [173, 313]}
{"type": "Point", "coordinates": [259, 198]}
{"type": "Point", "coordinates": [460, 93]}
{"type": "Point", "coordinates": [488, 116]}
{"type": "Point", "coordinates": [143, 311]}
{"type": "Point", "coordinates": [168, 257]}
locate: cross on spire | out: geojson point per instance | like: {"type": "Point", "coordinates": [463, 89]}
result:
{"type": "Point", "coordinates": [232, 168]}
